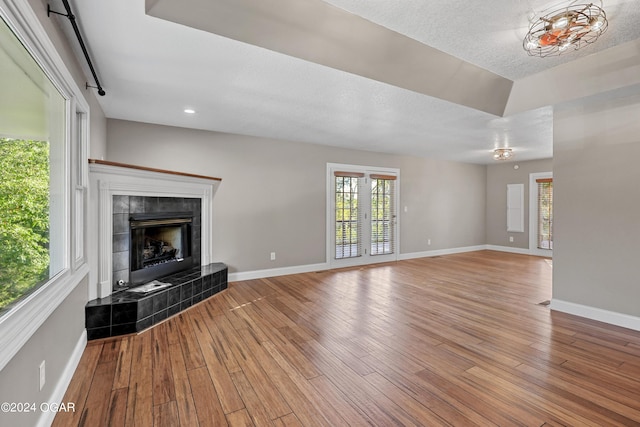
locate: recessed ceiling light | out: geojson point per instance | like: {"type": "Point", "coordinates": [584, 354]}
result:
{"type": "Point", "coordinates": [189, 111]}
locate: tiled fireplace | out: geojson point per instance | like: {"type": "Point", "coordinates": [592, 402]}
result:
{"type": "Point", "coordinates": [152, 209]}
{"type": "Point", "coordinates": [154, 247]}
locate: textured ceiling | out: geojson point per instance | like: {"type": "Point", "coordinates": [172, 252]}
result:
{"type": "Point", "coordinates": [152, 69]}
{"type": "Point", "coordinates": [489, 33]}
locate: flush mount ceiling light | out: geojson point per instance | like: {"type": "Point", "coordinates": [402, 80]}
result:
{"type": "Point", "coordinates": [503, 154]}
{"type": "Point", "coordinates": [189, 111]}
{"type": "Point", "coordinates": [558, 29]}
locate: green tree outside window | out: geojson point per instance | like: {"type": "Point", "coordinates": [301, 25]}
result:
{"type": "Point", "coordinates": [24, 217]}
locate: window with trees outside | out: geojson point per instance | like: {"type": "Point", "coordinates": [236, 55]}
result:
{"type": "Point", "coordinates": [32, 173]}
{"type": "Point", "coordinates": [43, 178]}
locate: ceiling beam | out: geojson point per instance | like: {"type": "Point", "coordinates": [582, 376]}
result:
{"type": "Point", "coordinates": [321, 33]}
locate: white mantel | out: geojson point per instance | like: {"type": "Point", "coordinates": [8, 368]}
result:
{"type": "Point", "coordinates": [108, 179]}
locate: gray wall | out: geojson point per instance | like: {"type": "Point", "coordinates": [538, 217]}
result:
{"type": "Point", "coordinates": [498, 176]}
{"type": "Point", "coordinates": [273, 197]}
{"type": "Point", "coordinates": [55, 340]}
{"type": "Point", "coordinates": [596, 204]}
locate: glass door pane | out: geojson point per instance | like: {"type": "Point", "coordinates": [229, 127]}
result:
{"type": "Point", "coordinates": [382, 216]}
{"type": "Point", "coordinates": [347, 217]}
{"type": "Point", "coordinates": [545, 215]}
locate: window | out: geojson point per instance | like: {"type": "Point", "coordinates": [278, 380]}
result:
{"type": "Point", "coordinates": [545, 213]}
{"type": "Point", "coordinates": [362, 215]}
{"type": "Point", "coordinates": [43, 132]}
{"type": "Point", "coordinates": [32, 174]}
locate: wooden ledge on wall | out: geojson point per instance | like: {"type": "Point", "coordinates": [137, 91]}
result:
{"type": "Point", "coordinates": [145, 168]}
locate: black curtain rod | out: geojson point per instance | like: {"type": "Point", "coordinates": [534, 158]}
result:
{"type": "Point", "coordinates": [72, 18]}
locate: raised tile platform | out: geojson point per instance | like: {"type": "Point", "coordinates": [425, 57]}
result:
{"type": "Point", "coordinates": [127, 312]}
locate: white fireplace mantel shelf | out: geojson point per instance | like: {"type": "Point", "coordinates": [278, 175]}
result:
{"type": "Point", "coordinates": [108, 179]}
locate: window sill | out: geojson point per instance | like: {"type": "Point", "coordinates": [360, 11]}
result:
{"type": "Point", "coordinates": [19, 324]}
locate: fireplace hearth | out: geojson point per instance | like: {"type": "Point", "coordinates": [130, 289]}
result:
{"type": "Point", "coordinates": [127, 312]}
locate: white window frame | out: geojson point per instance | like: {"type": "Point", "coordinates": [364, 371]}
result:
{"type": "Point", "coordinates": [19, 324]}
{"type": "Point", "coordinates": [330, 230]}
{"type": "Point", "coordinates": [533, 214]}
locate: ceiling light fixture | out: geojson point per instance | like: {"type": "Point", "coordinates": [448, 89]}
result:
{"type": "Point", "coordinates": [503, 154]}
{"type": "Point", "coordinates": [189, 111]}
{"type": "Point", "coordinates": [556, 29]}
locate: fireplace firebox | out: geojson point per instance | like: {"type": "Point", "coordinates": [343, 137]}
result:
{"type": "Point", "coordinates": [161, 245]}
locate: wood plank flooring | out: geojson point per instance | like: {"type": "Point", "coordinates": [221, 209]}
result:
{"type": "Point", "coordinates": [456, 340]}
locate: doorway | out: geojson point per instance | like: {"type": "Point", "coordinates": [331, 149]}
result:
{"type": "Point", "coordinates": [362, 222]}
{"type": "Point", "coordinates": [541, 214]}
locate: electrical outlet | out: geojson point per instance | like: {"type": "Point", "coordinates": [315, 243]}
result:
{"type": "Point", "coordinates": [428, 242]}
{"type": "Point", "coordinates": [273, 256]}
{"type": "Point", "coordinates": [510, 239]}
{"type": "Point", "coordinates": [43, 377]}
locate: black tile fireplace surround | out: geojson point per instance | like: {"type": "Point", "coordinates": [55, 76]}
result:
{"type": "Point", "coordinates": [127, 312]}
{"type": "Point", "coordinates": [124, 207]}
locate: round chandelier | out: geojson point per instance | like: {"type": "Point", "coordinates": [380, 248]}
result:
{"type": "Point", "coordinates": [558, 29]}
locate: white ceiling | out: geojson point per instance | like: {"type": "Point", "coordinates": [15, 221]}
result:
{"type": "Point", "coordinates": [253, 81]}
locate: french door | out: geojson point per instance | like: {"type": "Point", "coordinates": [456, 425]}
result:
{"type": "Point", "coordinates": [362, 218]}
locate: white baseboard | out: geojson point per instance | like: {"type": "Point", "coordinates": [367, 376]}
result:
{"type": "Point", "coordinates": [46, 419]}
{"type": "Point", "coordinates": [521, 251]}
{"type": "Point", "coordinates": [594, 313]}
{"type": "Point", "coordinates": [438, 252]}
{"type": "Point", "coordinates": [272, 272]}
{"type": "Point", "coordinates": [283, 271]}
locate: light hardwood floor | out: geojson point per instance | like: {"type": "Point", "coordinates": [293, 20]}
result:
{"type": "Point", "coordinates": [456, 340]}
